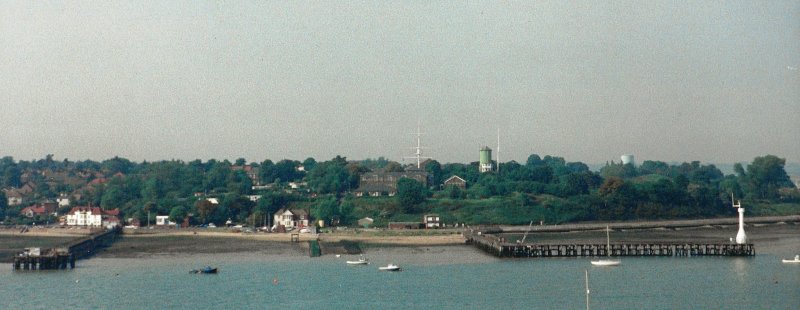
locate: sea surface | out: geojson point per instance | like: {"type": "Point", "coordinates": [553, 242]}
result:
{"type": "Point", "coordinates": [454, 277]}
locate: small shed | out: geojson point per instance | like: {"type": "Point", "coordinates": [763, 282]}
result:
{"type": "Point", "coordinates": [431, 221]}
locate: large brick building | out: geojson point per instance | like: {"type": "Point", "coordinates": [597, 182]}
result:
{"type": "Point", "coordinates": [382, 183]}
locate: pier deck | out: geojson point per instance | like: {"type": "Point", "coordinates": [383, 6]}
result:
{"type": "Point", "coordinates": [63, 257]}
{"type": "Point", "coordinates": [497, 246]}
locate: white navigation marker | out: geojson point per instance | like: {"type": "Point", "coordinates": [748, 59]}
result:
{"type": "Point", "coordinates": [741, 237]}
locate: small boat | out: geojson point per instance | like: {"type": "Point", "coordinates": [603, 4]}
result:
{"type": "Point", "coordinates": [605, 262]}
{"type": "Point", "coordinates": [390, 267]}
{"type": "Point", "coordinates": [361, 261]}
{"type": "Point", "coordinates": [608, 261]}
{"type": "Point", "coordinates": [207, 269]}
{"type": "Point", "coordinates": [796, 260]}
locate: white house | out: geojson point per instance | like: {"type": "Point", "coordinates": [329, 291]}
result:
{"type": "Point", "coordinates": [431, 221]}
{"type": "Point", "coordinates": [63, 200]}
{"type": "Point", "coordinates": [291, 218]}
{"type": "Point", "coordinates": [162, 220]}
{"type": "Point", "coordinates": [91, 216]}
{"type": "Point", "coordinates": [14, 197]}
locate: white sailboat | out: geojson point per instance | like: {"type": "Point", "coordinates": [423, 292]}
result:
{"type": "Point", "coordinates": [608, 261]}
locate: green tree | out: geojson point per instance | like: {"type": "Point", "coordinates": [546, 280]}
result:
{"type": "Point", "coordinates": [240, 162]}
{"type": "Point", "coordinates": [177, 214]}
{"type": "Point", "coordinates": [117, 164]}
{"type": "Point", "coordinates": [114, 197]}
{"type": "Point", "coordinates": [309, 164]}
{"type": "Point", "coordinates": [410, 194]}
{"type": "Point", "coordinates": [766, 175]}
{"type": "Point", "coordinates": [331, 177]}
{"type": "Point", "coordinates": [393, 166]}
{"type": "Point", "coordinates": [152, 190]}
{"type": "Point", "coordinates": [346, 215]}
{"type": "Point", "coordinates": [3, 205]}
{"type": "Point", "coordinates": [325, 209]}
{"type": "Point", "coordinates": [12, 175]}
{"type": "Point", "coordinates": [205, 209]}
{"type": "Point", "coordinates": [434, 168]}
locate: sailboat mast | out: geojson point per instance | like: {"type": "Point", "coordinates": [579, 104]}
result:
{"type": "Point", "coordinates": [608, 242]}
{"type": "Point", "coordinates": [587, 289]}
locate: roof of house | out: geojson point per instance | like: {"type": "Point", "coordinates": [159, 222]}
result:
{"type": "Point", "coordinates": [94, 210]}
{"type": "Point", "coordinates": [295, 212]}
{"type": "Point", "coordinates": [34, 210]}
{"type": "Point", "coordinates": [42, 208]}
{"type": "Point", "coordinates": [456, 178]}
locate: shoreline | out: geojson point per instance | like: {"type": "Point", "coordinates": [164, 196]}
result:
{"type": "Point", "coordinates": [780, 238]}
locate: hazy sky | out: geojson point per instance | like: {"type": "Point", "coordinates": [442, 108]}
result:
{"type": "Point", "coordinates": [589, 80]}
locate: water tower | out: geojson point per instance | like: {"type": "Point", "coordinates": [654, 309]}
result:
{"type": "Point", "coordinates": [486, 159]}
{"type": "Point", "coordinates": [627, 159]}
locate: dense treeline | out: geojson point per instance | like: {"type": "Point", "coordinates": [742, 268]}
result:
{"type": "Point", "coordinates": [547, 188]}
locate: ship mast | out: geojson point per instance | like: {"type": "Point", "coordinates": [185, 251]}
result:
{"type": "Point", "coordinates": [418, 150]}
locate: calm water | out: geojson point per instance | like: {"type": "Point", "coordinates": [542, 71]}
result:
{"type": "Point", "coordinates": [466, 279]}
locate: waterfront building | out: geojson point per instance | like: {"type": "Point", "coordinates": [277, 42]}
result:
{"type": "Point", "coordinates": [291, 218]}
{"type": "Point", "coordinates": [431, 221]}
{"type": "Point", "coordinates": [92, 216]}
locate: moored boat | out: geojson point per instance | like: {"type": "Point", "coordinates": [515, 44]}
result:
{"type": "Point", "coordinates": [207, 269]}
{"type": "Point", "coordinates": [390, 267]}
{"type": "Point", "coordinates": [361, 261]}
{"type": "Point", "coordinates": [796, 260]}
{"type": "Point", "coordinates": [605, 262]}
{"type": "Point", "coordinates": [608, 261]}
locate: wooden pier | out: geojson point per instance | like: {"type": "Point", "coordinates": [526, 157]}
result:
{"type": "Point", "coordinates": [33, 259]}
{"type": "Point", "coordinates": [63, 257]}
{"type": "Point", "coordinates": [494, 245]}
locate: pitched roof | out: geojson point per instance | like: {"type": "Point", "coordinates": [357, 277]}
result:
{"type": "Point", "coordinates": [94, 210]}
{"type": "Point", "coordinates": [454, 177]}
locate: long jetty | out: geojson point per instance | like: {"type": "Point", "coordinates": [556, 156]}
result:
{"type": "Point", "coordinates": [489, 239]}
{"type": "Point", "coordinates": [497, 246]}
{"type": "Point", "coordinates": [64, 256]}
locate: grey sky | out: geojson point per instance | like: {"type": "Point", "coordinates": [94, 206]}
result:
{"type": "Point", "coordinates": [673, 81]}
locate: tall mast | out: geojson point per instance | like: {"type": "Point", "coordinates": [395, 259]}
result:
{"type": "Point", "coordinates": [608, 241]}
{"type": "Point", "coordinates": [587, 289]}
{"type": "Point", "coordinates": [418, 153]}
